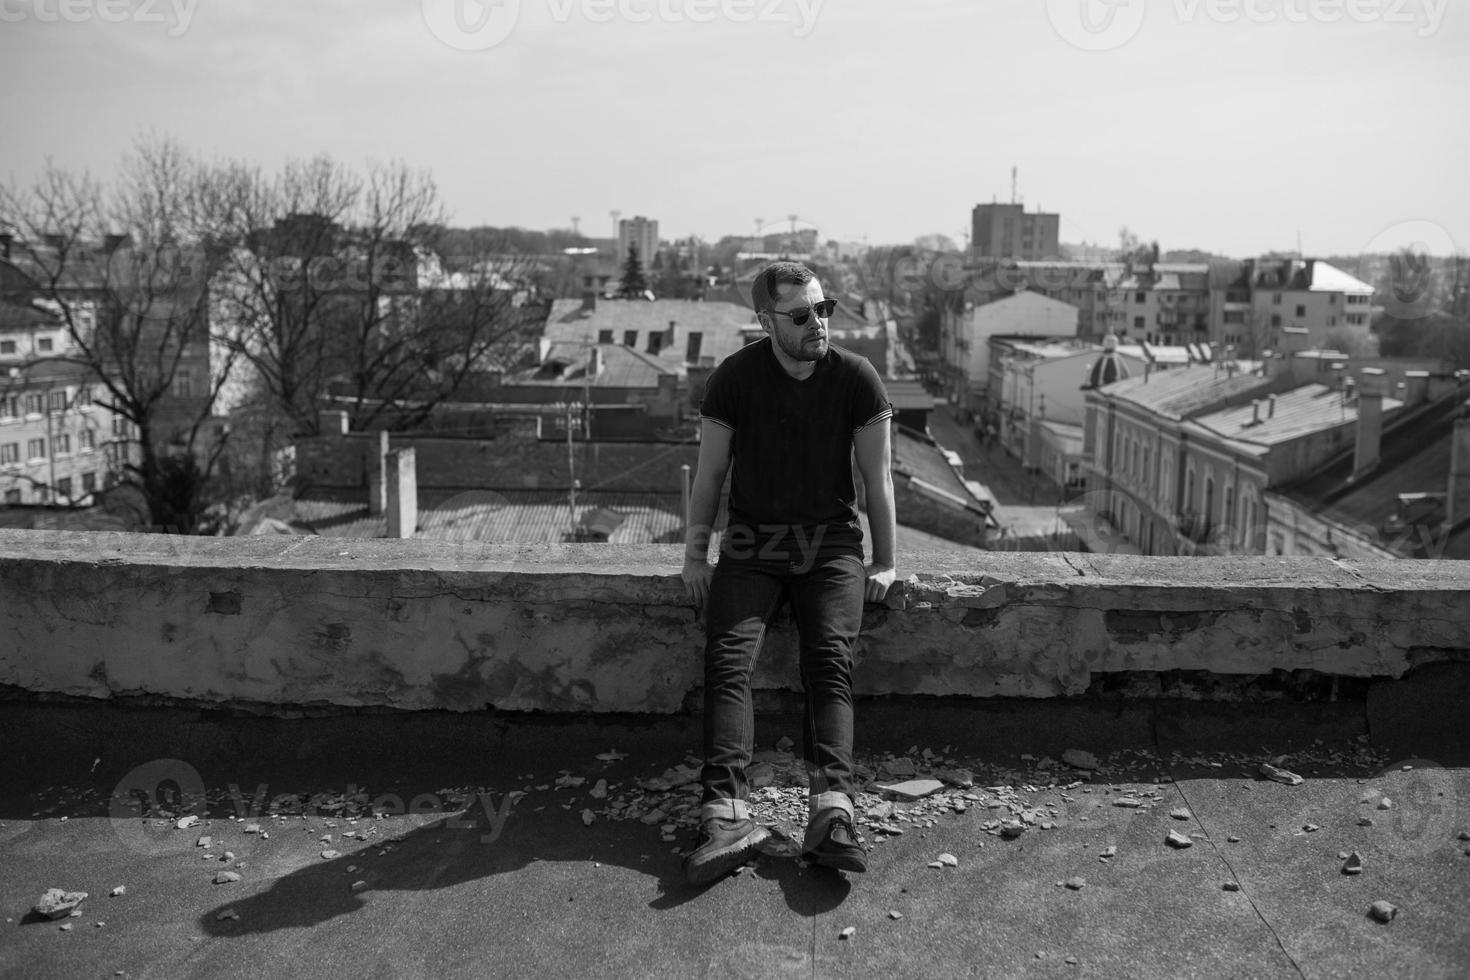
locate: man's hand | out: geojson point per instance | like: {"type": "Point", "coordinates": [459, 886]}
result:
{"type": "Point", "coordinates": [880, 577]}
{"type": "Point", "coordinates": [697, 573]}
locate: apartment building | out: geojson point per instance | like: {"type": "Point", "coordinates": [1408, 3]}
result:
{"type": "Point", "coordinates": [965, 333]}
{"type": "Point", "coordinates": [59, 444]}
{"type": "Point", "coordinates": [1253, 301]}
{"type": "Point", "coordinates": [640, 233]}
{"type": "Point", "coordinates": [1009, 231]}
{"type": "Point", "coordinates": [1164, 303]}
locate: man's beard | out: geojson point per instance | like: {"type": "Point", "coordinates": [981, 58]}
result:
{"type": "Point", "coordinates": [801, 350]}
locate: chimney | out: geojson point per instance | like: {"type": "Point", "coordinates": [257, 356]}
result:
{"type": "Point", "coordinates": [589, 300]}
{"type": "Point", "coordinates": [1370, 421]}
{"type": "Point", "coordinates": [1416, 387]}
{"type": "Point", "coordinates": [1457, 497]}
{"type": "Point", "coordinates": [1256, 411]}
{"type": "Point", "coordinates": [594, 362]}
{"type": "Point", "coordinates": [378, 477]}
{"type": "Point", "coordinates": [332, 423]}
{"type": "Point", "coordinates": [403, 494]}
{"type": "Point", "coordinates": [1270, 406]}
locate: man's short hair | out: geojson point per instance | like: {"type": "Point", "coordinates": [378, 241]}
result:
{"type": "Point", "coordinates": [768, 282]}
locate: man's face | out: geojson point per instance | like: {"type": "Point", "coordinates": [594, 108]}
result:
{"type": "Point", "coordinates": [807, 342]}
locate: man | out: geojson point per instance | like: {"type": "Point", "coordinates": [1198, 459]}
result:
{"type": "Point", "coordinates": [787, 412]}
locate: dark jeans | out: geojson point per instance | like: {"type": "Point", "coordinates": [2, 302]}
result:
{"type": "Point", "coordinates": [826, 596]}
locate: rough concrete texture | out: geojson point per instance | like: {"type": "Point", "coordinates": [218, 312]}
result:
{"type": "Point", "coordinates": [414, 624]}
{"type": "Point", "coordinates": [535, 892]}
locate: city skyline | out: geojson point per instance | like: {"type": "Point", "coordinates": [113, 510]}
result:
{"type": "Point", "coordinates": [1263, 130]}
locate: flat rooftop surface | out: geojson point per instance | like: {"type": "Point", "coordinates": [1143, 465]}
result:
{"type": "Point", "coordinates": [545, 847]}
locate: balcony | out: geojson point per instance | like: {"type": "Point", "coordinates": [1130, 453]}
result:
{"type": "Point", "coordinates": [276, 623]}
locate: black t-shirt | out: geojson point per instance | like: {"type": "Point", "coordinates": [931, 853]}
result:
{"type": "Point", "coordinates": [791, 448]}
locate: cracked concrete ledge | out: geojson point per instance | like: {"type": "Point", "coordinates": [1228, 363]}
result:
{"type": "Point", "coordinates": [598, 628]}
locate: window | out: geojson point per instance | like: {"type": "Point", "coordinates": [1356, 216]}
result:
{"type": "Point", "coordinates": [35, 404]}
{"type": "Point", "coordinates": [9, 453]}
{"type": "Point", "coordinates": [62, 444]}
{"type": "Point", "coordinates": [183, 386]}
{"type": "Point", "coordinates": [1301, 309]}
{"type": "Point", "coordinates": [36, 449]}
{"type": "Point", "coordinates": [7, 347]}
{"type": "Point", "coordinates": [10, 406]}
{"type": "Point", "coordinates": [1331, 299]}
{"type": "Point", "coordinates": [1275, 319]}
{"type": "Point", "coordinates": [119, 425]}
{"type": "Point", "coordinates": [630, 338]}
{"type": "Point", "coordinates": [1276, 299]}
{"type": "Point", "coordinates": [12, 496]}
{"type": "Point", "coordinates": [86, 440]}
{"type": "Point", "coordinates": [655, 341]}
{"type": "Point", "coordinates": [63, 487]}
{"type": "Point", "coordinates": [57, 401]}
{"type": "Point", "coordinates": [89, 482]}
{"type": "Point", "coordinates": [691, 350]}
{"type": "Point", "coordinates": [1234, 316]}
{"type": "Point", "coordinates": [43, 495]}
{"type": "Point", "coordinates": [45, 345]}
{"type": "Point", "coordinates": [604, 336]}
{"type": "Point", "coordinates": [1140, 298]}
{"type": "Point", "coordinates": [1138, 323]}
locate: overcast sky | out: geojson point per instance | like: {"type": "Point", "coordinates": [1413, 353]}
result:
{"type": "Point", "coordinates": [1231, 127]}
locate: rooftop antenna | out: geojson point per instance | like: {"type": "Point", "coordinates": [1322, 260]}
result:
{"type": "Point", "coordinates": [792, 218]}
{"type": "Point", "coordinates": [1015, 197]}
{"type": "Point", "coordinates": [617, 229]}
{"type": "Point", "coordinates": [575, 221]}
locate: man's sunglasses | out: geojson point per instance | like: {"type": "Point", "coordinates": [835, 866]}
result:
{"type": "Point", "coordinates": [800, 317]}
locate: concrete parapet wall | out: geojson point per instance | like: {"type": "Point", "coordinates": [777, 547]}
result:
{"type": "Point", "coordinates": [432, 625]}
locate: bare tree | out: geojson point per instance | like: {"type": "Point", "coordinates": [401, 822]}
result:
{"type": "Point", "coordinates": [337, 292]}
{"type": "Point", "coordinates": [126, 269]}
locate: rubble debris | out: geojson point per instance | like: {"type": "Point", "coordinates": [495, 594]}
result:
{"type": "Point", "coordinates": [612, 755]}
{"type": "Point", "coordinates": [914, 789]}
{"type": "Point", "coordinates": [1109, 851]}
{"type": "Point", "coordinates": [330, 854]}
{"type": "Point", "coordinates": [1310, 828]}
{"type": "Point", "coordinates": [184, 823]}
{"type": "Point", "coordinates": [204, 841]}
{"type": "Point", "coordinates": [225, 877]}
{"type": "Point", "coordinates": [1232, 839]}
{"type": "Point", "coordinates": [226, 914]}
{"type": "Point", "coordinates": [1231, 886]}
{"type": "Point", "coordinates": [784, 744]}
{"type": "Point", "coordinates": [1353, 865]}
{"type": "Point", "coordinates": [58, 904]}
{"type": "Point", "coordinates": [1383, 911]}
{"type": "Point", "coordinates": [949, 860]}
{"type": "Point", "coordinates": [900, 767]}
{"type": "Point", "coordinates": [359, 885]}
{"type": "Point", "coordinates": [963, 778]}
{"type": "Point", "coordinates": [894, 914]}
{"type": "Point", "coordinates": [252, 828]}
{"type": "Point", "coordinates": [1180, 813]}
{"type": "Point", "coordinates": [66, 927]}
{"type": "Point", "coordinates": [1076, 884]}
{"type": "Point", "coordinates": [118, 892]}
{"type": "Point", "coordinates": [1176, 839]}
{"type": "Point", "coordinates": [1131, 802]}
{"type": "Point", "coordinates": [1279, 775]}
{"type": "Point", "coordinates": [1385, 804]}
{"type": "Point", "coordinates": [1365, 821]}
{"type": "Point", "coordinates": [588, 817]}
{"type": "Point", "coordinates": [1012, 829]}
{"type": "Point", "coordinates": [1080, 759]}
{"type": "Point", "coordinates": [847, 933]}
